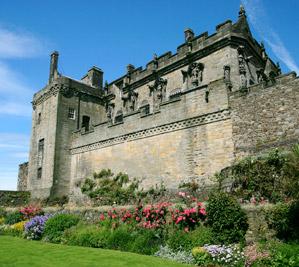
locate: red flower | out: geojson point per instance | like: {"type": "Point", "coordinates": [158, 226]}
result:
{"type": "Point", "coordinates": [102, 217]}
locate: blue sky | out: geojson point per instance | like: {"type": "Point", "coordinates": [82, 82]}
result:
{"type": "Point", "coordinates": [110, 34]}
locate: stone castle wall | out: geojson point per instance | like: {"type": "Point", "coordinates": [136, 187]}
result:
{"type": "Point", "coordinates": [23, 177]}
{"type": "Point", "coordinates": [266, 117]}
{"type": "Point", "coordinates": [189, 138]}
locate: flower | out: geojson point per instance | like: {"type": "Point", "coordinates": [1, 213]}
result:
{"type": "Point", "coordinates": [102, 217]}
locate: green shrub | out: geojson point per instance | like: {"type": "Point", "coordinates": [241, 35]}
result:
{"type": "Point", "coordinates": [87, 236]}
{"type": "Point", "coordinates": [120, 238]}
{"type": "Point", "coordinates": [106, 188]}
{"type": "Point", "coordinates": [201, 255]}
{"type": "Point", "coordinates": [284, 218]}
{"type": "Point", "coordinates": [226, 218]}
{"type": "Point", "coordinates": [56, 225]}
{"type": "Point", "coordinates": [2, 212]}
{"type": "Point", "coordinates": [178, 240]}
{"type": "Point", "coordinates": [145, 241]}
{"type": "Point", "coordinates": [273, 176]}
{"type": "Point", "coordinates": [124, 238]}
{"type": "Point", "coordinates": [14, 217]}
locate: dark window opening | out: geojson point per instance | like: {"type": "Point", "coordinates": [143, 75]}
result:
{"type": "Point", "coordinates": [144, 108]}
{"type": "Point", "coordinates": [119, 117]}
{"type": "Point", "coordinates": [207, 96]}
{"type": "Point", "coordinates": [40, 154]}
{"type": "Point", "coordinates": [39, 116]}
{"type": "Point", "coordinates": [39, 173]}
{"type": "Point", "coordinates": [71, 113]}
{"type": "Point", "coordinates": [85, 123]}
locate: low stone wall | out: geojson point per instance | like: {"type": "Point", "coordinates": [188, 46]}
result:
{"type": "Point", "coordinates": [14, 198]}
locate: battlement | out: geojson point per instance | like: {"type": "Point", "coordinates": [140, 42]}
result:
{"type": "Point", "coordinates": [195, 47]}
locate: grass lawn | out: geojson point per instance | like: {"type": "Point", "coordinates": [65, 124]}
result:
{"type": "Point", "coordinates": [20, 252]}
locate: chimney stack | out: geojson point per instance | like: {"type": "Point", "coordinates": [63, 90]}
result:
{"type": "Point", "coordinates": [95, 77]}
{"type": "Point", "coordinates": [53, 66]}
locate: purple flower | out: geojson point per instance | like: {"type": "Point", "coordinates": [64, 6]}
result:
{"type": "Point", "coordinates": [35, 227]}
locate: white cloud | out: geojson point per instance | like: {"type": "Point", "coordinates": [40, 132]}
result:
{"type": "Point", "coordinates": [11, 82]}
{"type": "Point", "coordinates": [14, 139]}
{"type": "Point", "coordinates": [260, 21]}
{"type": "Point", "coordinates": [16, 109]}
{"type": "Point", "coordinates": [19, 44]}
{"type": "Point", "coordinates": [15, 93]}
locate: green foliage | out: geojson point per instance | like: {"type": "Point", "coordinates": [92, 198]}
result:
{"type": "Point", "coordinates": [87, 236]}
{"type": "Point", "coordinates": [226, 218]}
{"type": "Point", "coordinates": [120, 238]}
{"type": "Point", "coordinates": [123, 237]}
{"type": "Point", "coordinates": [145, 241]}
{"type": "Point", "coordinates": [56, 225]}
{"type": "Point", "coordinates": [2, 212]}
{"type": "Point", "coordinates": [274, 176]}
{"type": "Point", "coordinates": [107, 189]}
{"type": "Point", "coordinates": [201, 256]}
{"type": "Point", "coordinates": [284, 218]}
{"type": "Point", "coordinates": [178, 240]}
{"type": "Point", "coordinates": [282, 255]}
{"type": "Point", "coordinates": [14, 217]}
{"type": "Point", "coordinates": [14, 198]}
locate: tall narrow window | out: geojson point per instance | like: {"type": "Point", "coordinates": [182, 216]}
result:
{"type": "Point", "coordinates": [39, 117]}
{"type": "Point", "coordinates": [39, 173]}
{"type": "Point", "coordinates": [71, 114]}
{"type": "Point", "coordinates": [85, 123]}
{"type": "Point", "coordinates": [40, 157]}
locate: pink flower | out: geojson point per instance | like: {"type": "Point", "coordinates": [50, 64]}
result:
{"type": "Point", "coordinates": [203, 211]}
{"type": "Point", "coordinates": [182, 194]}
{"type": "Point", "coordinates": [102, 217]}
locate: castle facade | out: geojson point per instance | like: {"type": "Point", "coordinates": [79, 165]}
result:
{"type": "Point", "coordinates": [185, 116]}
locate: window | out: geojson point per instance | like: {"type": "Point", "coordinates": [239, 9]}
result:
{"type": "Point", "coordinates": [71, 114]}
{"type": "Point", "coordinates": [118, 117]}
{"type": "Point", "coordinates": [41, 144]}
{"type": "Point", "coordinates": [40, 153]}
{"type": "Point", "coordinates": [39, 173]}
{"type": "Point", "coordinates": [39, 116]}
{"type": "Point", "coordinates": [85, 123]}
{"type": "Point", "coordinates": [144, 108]}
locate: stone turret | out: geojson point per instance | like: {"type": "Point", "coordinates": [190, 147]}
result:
{"type": "Point", "coordinates": [53, 66]}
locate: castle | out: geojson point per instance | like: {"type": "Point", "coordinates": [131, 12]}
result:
{"type": "Point", "coordinates": [185, 116]}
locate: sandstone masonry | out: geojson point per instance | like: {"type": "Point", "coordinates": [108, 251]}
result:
{"type": "Point", "coordinates": [185, 116]}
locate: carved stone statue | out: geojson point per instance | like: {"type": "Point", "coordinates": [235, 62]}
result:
{"type": "Point", "coordinates": [261, 76]}
{"type": "Point", "coordinates": [110, 112]}
{"type": "Point", "coordinates": [158, 90]}
{"type": "Point", "coordinates": [242, 67]}
{"type": "Point", "coordinates": [130, 100]}
{"type": "Point", "coordinates": [193, 75]}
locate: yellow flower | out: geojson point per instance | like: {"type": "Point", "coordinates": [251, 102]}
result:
{"type": "Point", "coordinates": [2, 220]}
{"type": "Point", "coordinates": [198, 250]}
{"type": "Point", "coordinates": [19, 227]}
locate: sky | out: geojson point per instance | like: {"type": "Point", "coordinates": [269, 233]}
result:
{"type": "Point", "coordinates": [110, 35]}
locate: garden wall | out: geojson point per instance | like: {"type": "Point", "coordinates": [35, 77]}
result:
{"type": "Point", "coordinates": [14, 198]}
